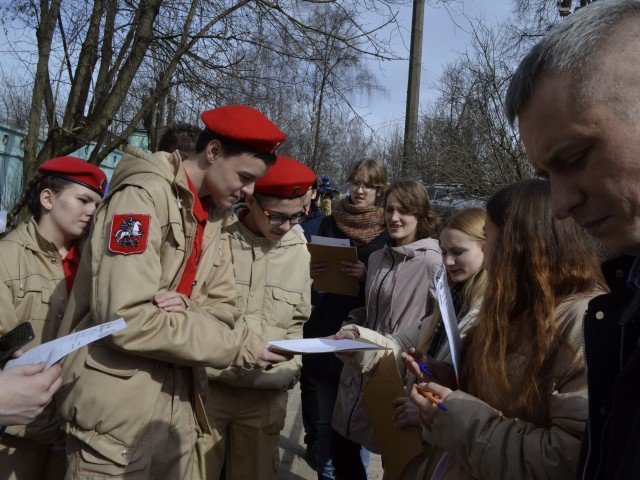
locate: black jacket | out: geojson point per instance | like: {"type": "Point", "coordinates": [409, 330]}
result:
{"type": "Point", "coordinates": [611, 445]}
{"type": "Point", "coordinates": [332, 309]}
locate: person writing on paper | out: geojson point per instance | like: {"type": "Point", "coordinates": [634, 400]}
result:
{"type": "Point", "coordinates": [38, 264]}
{"type": "Point", "coordinates": [360, 219]}
{"type": "Point", "coordinates": [400, 294]}
{"type": "Point", "coordinates": [522, 404]}
{"type": "Point", "coordinates": [247, 410]}
{"type": "Point", "coordinates": [461, 242]}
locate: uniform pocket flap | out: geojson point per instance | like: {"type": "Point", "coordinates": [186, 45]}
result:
{"type": "Point", "coordinates": [290, 297]}
{"type": "Point", "coordinates": [109, 361]}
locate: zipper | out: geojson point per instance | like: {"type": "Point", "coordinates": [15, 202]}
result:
{"type": "Point", "coordinates": [586, 372]}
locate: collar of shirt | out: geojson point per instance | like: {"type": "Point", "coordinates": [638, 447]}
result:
{"type": "Point", "coordinates": [200, 210]}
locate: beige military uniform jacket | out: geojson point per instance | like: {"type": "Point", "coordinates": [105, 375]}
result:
{"type": "Point", "coordinates": [32, 289]}
{"type": "Point", "coordinates": [110, 387]}
{"type": "Point", "coordinates": [274, 298]}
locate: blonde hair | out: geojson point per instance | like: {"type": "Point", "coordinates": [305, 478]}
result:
{"type": "Point", "coordinates": [470, 222]}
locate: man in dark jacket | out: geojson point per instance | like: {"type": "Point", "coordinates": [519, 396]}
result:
{"type": "Point", "coordinates": [577, 102]}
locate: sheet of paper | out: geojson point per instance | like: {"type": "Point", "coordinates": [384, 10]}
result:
{"type": "Point", "coordinates": [443, 294]}
{"type": "Point", "coordinates": [336, 242]}
{"type": "Point", "coordinates": [321, 345]}
{"type": "Point", "coordinates": [55, 350]}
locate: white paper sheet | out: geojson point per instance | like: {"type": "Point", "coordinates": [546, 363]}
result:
{"type": "Point", "coordinates": [448, 317]}
{"type": "Point", "coordinates": [53, 351]}
{"type": "Point", "coordinates": [321, 345]}
{"type": "Point", "coordinates": [335, 242]}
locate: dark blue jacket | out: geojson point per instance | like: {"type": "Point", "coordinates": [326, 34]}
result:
{"type": "Point", "coordinates": [611, 445]}
{"type": "Point", "coordinates": [332, 309]}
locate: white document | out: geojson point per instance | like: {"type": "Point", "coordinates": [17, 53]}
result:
{"type": "Point", "coordinates": [448, 317]}
{"type": "Point", "coordinates": [55, 350]}
{"type": "Point", "coordinates": [321, 345]}
{"type": "Point", "coordinates": [335, 242]}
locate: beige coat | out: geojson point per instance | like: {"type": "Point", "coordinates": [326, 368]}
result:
{"type": "Point", "coordinates": [33, 289]}
{"type": "Point", "coordinates": [274, 299]}
{"type": "Point", "coordinates": [485, 440]}
{"type": "Point", "coordinates": [110, 388]}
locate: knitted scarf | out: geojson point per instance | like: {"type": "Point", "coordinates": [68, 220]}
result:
{"type": "Point", "coordinates": [360, 224]}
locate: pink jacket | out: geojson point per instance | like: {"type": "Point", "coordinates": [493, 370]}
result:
{"type": "Point", "coordinates": [399, 294]}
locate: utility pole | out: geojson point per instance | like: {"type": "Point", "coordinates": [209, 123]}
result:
{"type": "Point", "coordinates": [413, 87]}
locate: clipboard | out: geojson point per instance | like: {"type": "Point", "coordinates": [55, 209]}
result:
{"type": "Point", "coordinates": [397, 446]}
{"type": "Point", "coordinates": [333, 280]}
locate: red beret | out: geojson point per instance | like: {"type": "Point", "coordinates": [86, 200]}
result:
{"type": "Point", "coordinates": [288, 178]}
{"type": "Point", "coordinates": [76, 170]}
{"type": "Point", "coordinates": [244, 125]}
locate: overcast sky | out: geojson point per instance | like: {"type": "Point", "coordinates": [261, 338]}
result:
{"type": "Point", "coordinates": [443, 42]}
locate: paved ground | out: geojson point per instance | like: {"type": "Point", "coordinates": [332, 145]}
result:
{"type": "Point", "coordinates": [292, 448]}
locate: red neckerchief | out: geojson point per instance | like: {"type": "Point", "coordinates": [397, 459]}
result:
{"type": "Point", "coordinates": [70, 264]}
{"type": "Point", "coordinates": [202, 215]}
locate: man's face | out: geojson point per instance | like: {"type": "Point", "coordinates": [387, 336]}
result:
{"type": "Point", "coordinates": [230, 177]}
{"type": "Point", "coordinates": [589, 150]}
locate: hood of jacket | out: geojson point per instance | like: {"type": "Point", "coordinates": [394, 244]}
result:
{"type": "Point", "coordinates": [137, 163]}
{"type": "Point", "coordinates": [413, 249]}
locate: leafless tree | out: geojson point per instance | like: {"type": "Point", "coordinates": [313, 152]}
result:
{"type": "Point", "coordinates": [104, 68]}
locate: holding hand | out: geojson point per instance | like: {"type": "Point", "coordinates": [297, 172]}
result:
{"type": "Point", "coordinates": [268, 359]}
{"type": "Point", "coordinates": [441, 372]}
{"type": "Point", "coordinates": [25, 391]}
{"type": "Point", "coordinates": [428, 410]}
{"type": "Point", "coordinates": [317, 268]}
{"type": "Point", "coordinates": [405, 413]}
{"type": "Point", "coordinates": [355, 269]}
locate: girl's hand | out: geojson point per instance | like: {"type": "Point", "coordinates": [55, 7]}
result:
{"type": "Point", "coordinates": [442, 372]}
{"type": "Point", "coordinates": [170, 301]}
{"type": "Point", "coordinates": [317, 268]}
{"type": "Point", "coordinates": [405, 413]}
{"type": "Point", "coordinates": [427, 409]}
{"type": "Point", "coordinates": [355, 269]}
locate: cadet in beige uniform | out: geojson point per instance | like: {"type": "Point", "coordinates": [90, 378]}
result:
{"type": "Point", "coordinates": [128, 402]}
{"type": "Point", "coordinates": [38, 262]}
{"type": "Point", "coordinates": [271, 263]}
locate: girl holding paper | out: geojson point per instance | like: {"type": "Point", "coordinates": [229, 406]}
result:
{"type": "Point", "coordinates": [521, 408]}
{"type": "Point", "coordinates": [399, 294]}
{"type": "Point", "coordinates": [461, 242]}
{"type": "Point", "coordinates": [360, 219]}
{"type": "Point", "coordinates": [38, 262]}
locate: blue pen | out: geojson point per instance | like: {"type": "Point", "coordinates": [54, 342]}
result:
{"type": "Point", "coordinates": [424, 368]}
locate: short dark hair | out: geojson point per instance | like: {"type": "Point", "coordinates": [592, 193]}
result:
{"type": "Point", "coordinates": [181, 137]}
{"type": "Point", "coordinates": [230, 147]}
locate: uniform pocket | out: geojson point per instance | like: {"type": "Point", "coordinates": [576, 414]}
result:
{"type": "Point", "coordinates": [280, 305]}
{"type": "Point", "coordinates": [111, 362]}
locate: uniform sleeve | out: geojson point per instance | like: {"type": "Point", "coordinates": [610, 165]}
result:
{"type": "Point", "coordinates": [124, 286]}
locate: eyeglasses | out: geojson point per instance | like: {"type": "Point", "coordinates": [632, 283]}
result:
{"type": "Point", "coordinates": [280, 219]}
{"type": "Point", "coordinates": [363, 186]}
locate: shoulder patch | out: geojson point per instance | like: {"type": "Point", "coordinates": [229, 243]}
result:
{"type": "Point", "coordinates": [129, 233]}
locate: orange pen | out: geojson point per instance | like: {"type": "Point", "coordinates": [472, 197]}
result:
{"type": "Point", "coordinates": [431, 397]}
